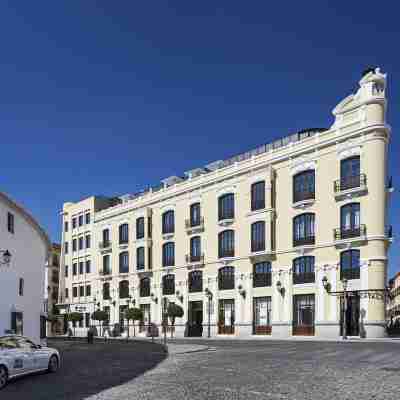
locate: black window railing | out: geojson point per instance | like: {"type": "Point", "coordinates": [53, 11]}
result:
{"type": "Point", "coordinates": [350, 273]}
{"type": "Point", "coordinates": [350, 182]}
{"type": "Point", "coordinates": [303, 195]}
{"type": "Point", "coordinates": [304, 277]}
{"type": "Point", "coordinates": [303, 241]}
{"type": "Point", "coordinates": [194, 258]}
{"type": "Point", "coordinates": [349, 232]}
{"type": "Point", "coordinates": [262, 279]}
{"type": "Point", "coordinates": [192, 223]}
{"type": "Point", "coordinates": [226, 253]}
{"type": "Point", "coordinates": [105, 244]}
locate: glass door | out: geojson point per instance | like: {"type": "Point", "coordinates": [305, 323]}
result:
{"type": "Point", "coordinates": [262, 316]}
{"type": "Point", "coordinates": [226, 324]}
{"type": "Point", "coordinates": [303, 315]}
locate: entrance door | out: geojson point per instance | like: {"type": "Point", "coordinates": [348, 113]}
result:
{"type": "Point", "coordinates": [303, 314]}
{"type": "Point", "coordinates": [352, 315]}
{"type": "Point", "coordinates": [226, 323]}
{"type": "Point", "coordinates": [195, 328]}
{"type": "Point", "coordinates": [262, 316]}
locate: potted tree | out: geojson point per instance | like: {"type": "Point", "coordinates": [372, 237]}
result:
{"type": "Point", "coordinates": [100, 316]}
{"type": "Point", "coordinates": [133, 314]}
{"type": "Point", "coordinates": [75, 317]}
{"type": "Point", "coordinates": [174, 311]}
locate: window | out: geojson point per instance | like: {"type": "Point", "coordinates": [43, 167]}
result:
{"type": "Point", "coordinates": [226, 278]}
{"type": "Point", "coordinates": [140, 258]}
{"type": "Point", "coordinates": [258, 236]}
{"type": "Point", "coordinates": [124, 262]}
{"type": "Point", "coordinates": [106, 237]}
{"type": "Point", "coordinates": [80, 267]}
{"type": "Point", "coordinates": [195, 216]}
{"type": "Point", "coordinates": [124, 289]}
{"type": "Point", "coordinates": [140, 228]}
{"type": "Point", "coordinates": [262, 310]}
{"type": "Point", "coordinates": [149, 226]}
{"type": "Point", "coordinates": [75, 291]}
{"type": "Point", "coordinates": [304, 186]}
{"type": "Point", "coordinates": [303, 314]}
{"type": "Point", "coordinates": [88, 266]}
{"type": "Point", "coordinates": [88, 290]}
{"type": "Point", "coordinates": [21, 287]}
{"type": "Point", "coordinates": [262, 274]}
{"type": "Point", "coordinates": [80, 241]}
{"type": "Point", "coordinates": [303, 270]}
{"type": "Point", "coordinates": [144, 287]}
{"type": "Point", "coordinates": [106, 291]}
{"type": "Point", "coordinates": [87, 218]}
{"type": "Point", "coordinates": [226, 244]}
{"type": "Point", "coordinates": [168, 222]}
{"type": "Point", "coordinates": [74, 244]}
{"type": "Point", "coordinates": [66, 247]}
{"type": "Point", "coordinates": [66, 271]}
{"type": "Point", "coordinates": [74, 223]}
{"type": "Point", "coordinates": [66, 293]}
{"type": "Point", "coordinates": [195, 249]}
{"type": "Point", "coordinates": [10, 222]}
{"type": "Point", "coordinates": [195, 281]}
{"type": "Point", "coordinates": [74, 268]}
{"type": "Point", "coordinates": [226, 207]}
{"type": "Point", "coordinates": [106, 265]}
{"type": "Point", "coordinates": [81, 291]}
{"type": "Point", "coordinates": [350, 220]}
{"type": "Point", "coordinates": [350, 264]}
{"type": "Point", "coordinates": [350, 173]}
{"type": "Point", "coordinates": [17, 322]}
{"type": "Point", "coordinates": [303, 229]}
{"type": "Point", "coordinates": [123, 234]}
{"type": "Point", "coordinates": [80, 220]}
{"type": "Point", "coordinates": [168, 255]}
{"type": "Point", "coordinates": [87, 240]}
{"type": "Point", "coordinates": [168, 284]}
{"type": "Point", "coordinates": [258, 196]}
{"type": "Point", "coordinates": [65, 226]}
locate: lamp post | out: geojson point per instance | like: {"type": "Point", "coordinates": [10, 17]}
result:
{"type": "Point", "coordinates": [209, 297]}
{"type": "Point", "coordinates": [344, 283]}
{"type": "Point", "coordinates": [6, 258]}
{"type": "Point", "coordinates": [165, 318]}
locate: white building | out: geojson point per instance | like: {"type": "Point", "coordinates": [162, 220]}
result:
{"type": "Point", "coordinates": [22, 279]}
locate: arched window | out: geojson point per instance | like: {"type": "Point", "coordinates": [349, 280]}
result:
{"type": "Point", "coordinates": [140, 258]}
{"type": "Point", "coordinates": [226, 244]}
{"type": "Point", "coordinates": [195, 248]}
{"type": "Point", "coordinates": [258, 236]}
{"type": "Point", "coordinates": [123, 234]}
{"type": "Point", "coordinates": [140, 228]}
{"type": "Point", "coordinates": [168, 284]}
{"type": "Point", "coordinates": [144, 287]}
{"type": "Point", "coordinates": [196, 281]}
{"type": "Point", "coordinates": [262, 274]}
{"type": "Point", "coordinates": [303, 229]}
{"type": "Point", "coordinates": [258, 196]}
{"type": "Point", "coordinates": [168, 254]}
{"type": "Point", "coordinates": [226, 206]}
{"type": "Point", "coordinates": [195, 214]}
{"type": "Point", "coordinates": [106, 265]}
{"type": "Point", "coordinates": [168, 222]}
{"type": "Point", "coordinates": [304, 186]}
{"type": "Point", "coordinates": [124, 289]}
{"type": "Point", "coordinates": [226, 278]}
{"type": "Point", "coordinates": [350, 173]}
{"type": "Point", "coordinates": [106, 291]}
{"type": "Point", "coordinates": [303, 270]}
{"type": "Point", "coordinates": [350, 264]}
{"type": "Point", "coordinates": [350, 221]}
{"type": "Point", "coordinates": [123, 262]}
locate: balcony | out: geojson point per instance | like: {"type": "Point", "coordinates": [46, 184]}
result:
{"type": "Point", "coordinates": [303, 199]}
{"type": "Point", "coordinates": [349, 186]}
{"type": "Point", "coordinates": [354, 233]}
{"type": "Point", "coordinates": [262, 279]}
{"type": "Point", "coordinates": [305, 277]}
{"type": "Point", "coordinates": [351, 273]}
{"type": "Point", "coordinates": [304, 241]}
{"type": "Point", "coordinates": [194, 261]}
{"type": "Point", "coordinates": [105, 246]}
{"type": "Point", "coordinates": [194, 226]}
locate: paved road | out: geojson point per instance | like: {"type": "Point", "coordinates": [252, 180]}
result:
{"type": "Point", "coordinates": [87, 370]}
{"type": "Point", "coordinates": [271, 370]}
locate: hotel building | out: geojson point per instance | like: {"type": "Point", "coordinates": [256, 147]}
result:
{"type": "Point", "coordinates": [245, 243]}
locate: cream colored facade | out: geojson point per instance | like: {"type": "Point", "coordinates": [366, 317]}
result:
{"type": "Point", "coordinates": [359, 130]}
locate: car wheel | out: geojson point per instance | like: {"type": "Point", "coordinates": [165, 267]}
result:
{"type": "Point", "coordinates": [53, 364]}
{"type": "Point", "coordinates": [3, 376]}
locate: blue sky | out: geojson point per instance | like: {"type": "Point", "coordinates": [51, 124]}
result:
{"type": "Point", "coordinates": [107, 97]}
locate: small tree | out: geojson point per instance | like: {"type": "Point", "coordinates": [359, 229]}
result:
{"type": "Point", "coordinates": [100, 316]}
{"type": "Point", "coordinates": [75, 317]}
{"type": "Point", "coordinates": [133, 314]}
{"type": "Point", "coordinates": [174, 311]}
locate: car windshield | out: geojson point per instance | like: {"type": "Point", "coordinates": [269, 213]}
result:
{"type": "Point", "coordinates": [8, 342]}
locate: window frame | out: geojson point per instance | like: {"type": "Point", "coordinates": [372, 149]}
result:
{"type": "Point", "coordinates": [168, 260]}
{"type": "Point", "coordinates": [306, 265]}
{"type": "Point", "coordinates": [168, 222]}
{"type": "Point", "coordinates": [168, 284]}
{"type": "Point", "coordinates": [306, 235]}
{"type": "Point", "coordinates": [351, 271]}
{"type": "Point", "coordinates": [258, 196]}
{"type": "Point", "coordinates": [226, 278]}
{"type": "Point", "coordinates": [258, 239]}
{"type": "Point", "coordinates": [226, 243]}
{"type": "Point", "coordinates": [195, 281]}
{"type": "Point", "coordinates": [140, 228]}
{"type": "Point", "coordinates": [308, 188]}
{"type": "Point", "coordinates": [262, 278]}
{"type": "Point", "coordinates": [226, 206]}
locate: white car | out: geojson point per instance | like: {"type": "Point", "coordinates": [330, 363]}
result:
{"type": "Point", "coordinates": [20, 356]}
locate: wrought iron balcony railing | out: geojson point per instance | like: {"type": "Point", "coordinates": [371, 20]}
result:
{"type": "Point", "coordinates": [352, 273]}
{"type": "Point", "coordinates": [195, 258]}
{"type": "Point", "coordinates": [105, 272]}
{"type": "Point", "coordinates": [262, 279]}
{"type": "Point", "coordinates": [306, 277]}
{"type": "Point", "coordinates": [349, 232]}
{"type": "Point", "coordinates": [304, 241]}
{"type": "Point", "coordinates": [299, 196]}
{"type": "Point", "coordinates": [194, 223]}
{"type": "Point", "coordinates": [350, 182]}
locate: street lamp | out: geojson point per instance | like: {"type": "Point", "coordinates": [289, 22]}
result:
{"type": "Point", "coordinates": [344, 283]}
{"type": "Point", "coordinates": [209, 297]}
{"type": "Point", "coordinates": [279, 288]}
{"type": "Point", "coordinates": [5, 260]}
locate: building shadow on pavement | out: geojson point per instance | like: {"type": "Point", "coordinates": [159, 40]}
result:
{"type": "Point", "coordinates": [87, 369]}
